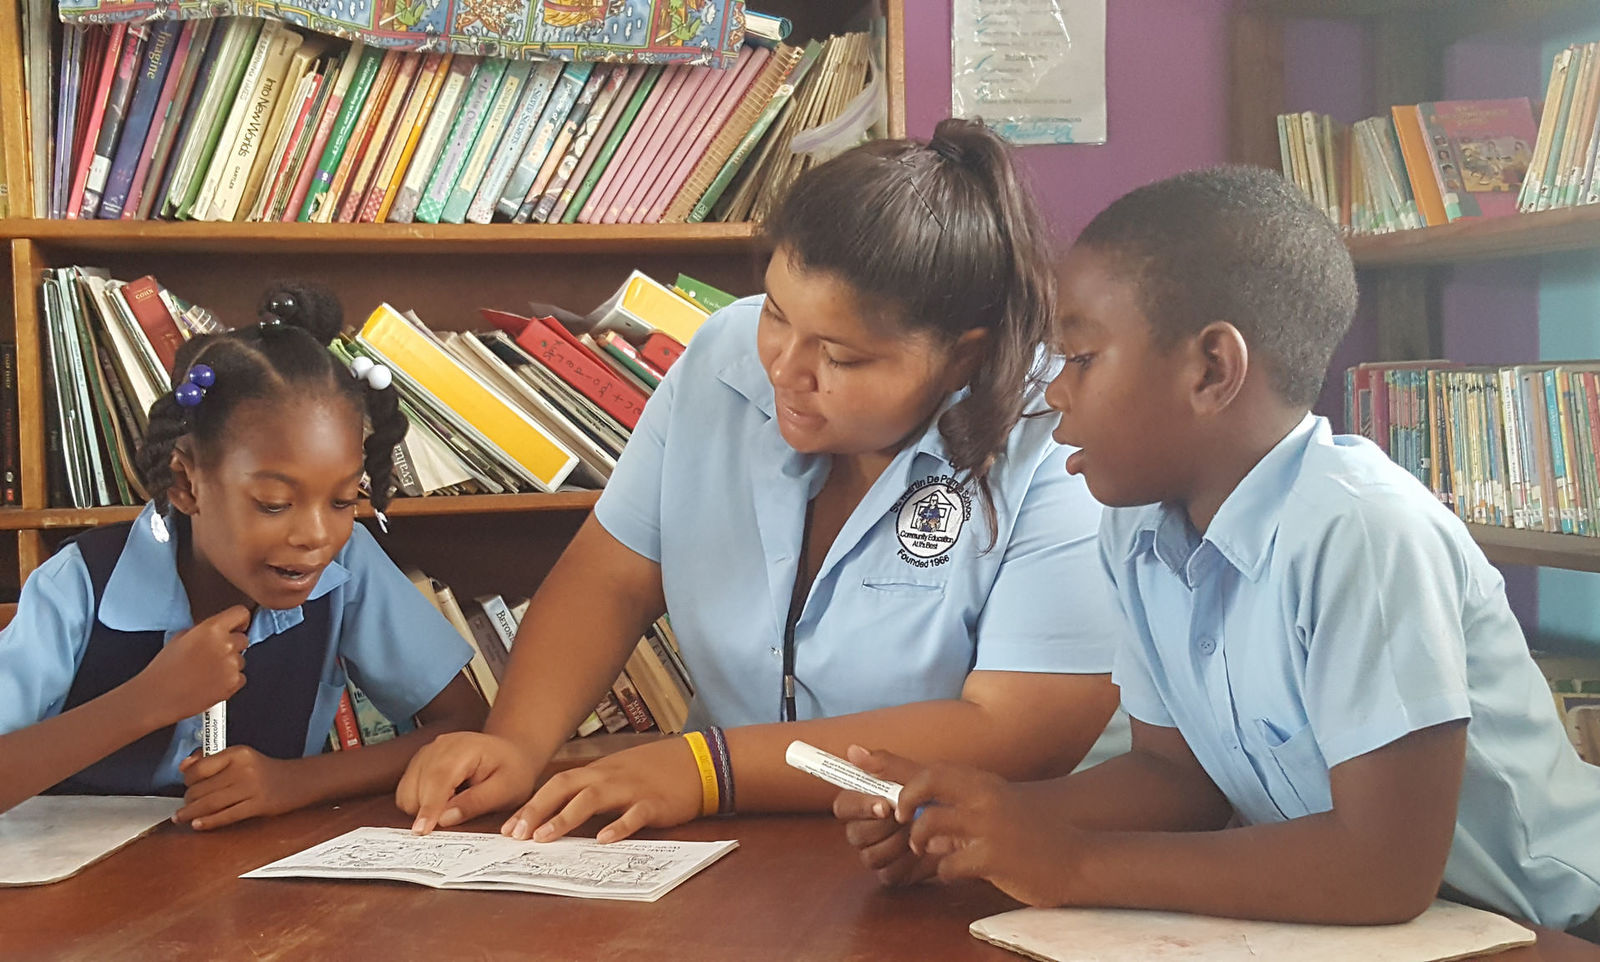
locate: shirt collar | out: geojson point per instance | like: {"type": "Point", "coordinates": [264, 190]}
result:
{"type": "Point", "coordinates": [1245, 525]}
{"type": "Point", "coordinates": [144, 592]}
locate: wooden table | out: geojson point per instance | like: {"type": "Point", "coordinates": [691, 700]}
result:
{"type": "Point", "coordinates": [792, 890]}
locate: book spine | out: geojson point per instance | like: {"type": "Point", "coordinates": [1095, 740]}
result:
{"type": "Point", "coordinates": [569, 102]}
{"type": "Point", "coordinates": [360, 138]}
{"type": "Point", "coordinates": [91, 125]}
{"type": "Point", "coordinates": [10, 439]}
{"type": "Point", "coordinates": [187, 55]}
{"type": "Point", "coordinates": [493, 130]}
{"type": "Point", "coordinates": [440, 121]}
{"type": "Point", "coordinates": [242, 105]}
{"type": "Point", "coordinates": [632, 705]}
{"type": "Point", "coordinates": [608, 150]}
{"type": "Point", "coordinates": [545, 130]}
{"type": "Point", "coordinates": [349, 108]}
{"type": "Point", "coordinates": [584, 373]}
{"type": "Point", "coordinates": [468, 123]}
{"type": "Point", "coordinates": [255, 126]}
{"type": "Point", "coordinates": [429, 76]}
{"type": "Point", "coordinates": [167, 171]}
{"type": "Point", "coordinates": [279, 161]}
{"type": "Point", "coordinates": [337, 84]}
{"type": "Point", "coordinates": [116, 110]}
{"type": "Point", "coordinates": [384, 129]}
{"type": "Point", "coordinates": [594, 118]}
{"type": "Point", "coordinates": [159, 52]}
{"type": "Point", "coordinates": [774, 73]}
{"type": "Point", "coordinates": [223, 91]}
{"type": "Point", "coordinates": [702, 207]}
{"type": "Point", "coordinates": [595, 143]}
{"type": "Point", "coordinates": [707, 123]}
{"type": "Point", "coordinates": [345, 728]}
{"type": "Point", "coordinates": [530, 108]}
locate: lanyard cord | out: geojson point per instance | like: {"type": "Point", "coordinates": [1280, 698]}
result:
{"type": "Point", "coordinates": [797, 603]}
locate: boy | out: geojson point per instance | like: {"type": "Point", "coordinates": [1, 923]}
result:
{"type": "Point", "coordinates": [1333, 708]}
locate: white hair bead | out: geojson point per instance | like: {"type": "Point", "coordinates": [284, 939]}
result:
{"type": "Point", "coordinates": [379, 377]}
{"type": "Point", "coordinates": [360, 366]}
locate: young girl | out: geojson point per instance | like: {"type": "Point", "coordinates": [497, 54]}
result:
{"type": "Point", "coordinates": [840, 497]}
{"type": "Point", "coordinates": [246, 580]}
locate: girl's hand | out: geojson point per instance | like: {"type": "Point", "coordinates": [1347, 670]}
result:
{"type": "Point", "coordinates": [198, 667]}
{"type": "Point", "coordinates": [235, 784]}
{"type": "Point", "coordinates": [498, 774]}
{"type": "Point", "coordinates": [652, 785]}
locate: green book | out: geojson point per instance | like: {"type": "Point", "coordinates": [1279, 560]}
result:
{"type": "Point", "coordinates": [628, 359]}
{"type": "Point", "coordinates": [741, 153]}
{"type": "Point", "coordinates": [608, 148]}
{"type": "Point", "coordinates": [354, 99]}
{"type": "Point", "coordinates": [469, 122]}
{"type": "Point", "coordinates": [708, 297]}
{"type": "Point", "coordinates": [232, 59]}
{"type": "Point", "coordinates": [496, 121]}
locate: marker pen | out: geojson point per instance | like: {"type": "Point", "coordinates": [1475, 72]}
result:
{"type": "Point", "coordinates": [214, 729]}
{"type": "Point", "coordinates": [836, 771]}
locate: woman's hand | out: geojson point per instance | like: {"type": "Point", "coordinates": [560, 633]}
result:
{"type": "Point", "coordinates": [652, 785]}
{"type": "Point", "coordinates": [497, 772]}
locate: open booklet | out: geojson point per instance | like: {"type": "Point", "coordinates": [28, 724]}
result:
{"type": "Point", "coordinates": [634, 870]}
{"type": "Point", "coordinates": [51, 837]}
{"type": "Point", "coordinates": [1445, 931]}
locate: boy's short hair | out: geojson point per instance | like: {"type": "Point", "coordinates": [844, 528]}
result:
{"type": "Point", "coordinates": [1242, 245]}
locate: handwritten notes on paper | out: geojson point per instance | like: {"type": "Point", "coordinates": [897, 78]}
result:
{"type": "Point", "coordinates": [1035, 70]}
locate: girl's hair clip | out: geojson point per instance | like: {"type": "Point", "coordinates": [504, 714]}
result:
{"type": "Point", "coordinates": [271, 324]}
{"type": "Point", "coordinates": [192, 391]}
{"type": "Point", "coordinates": [376, 375]}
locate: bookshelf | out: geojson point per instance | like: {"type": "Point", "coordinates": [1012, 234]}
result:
{"type": "Point", "coordinates": [477, 544]}
{"type": "Point", "coordinates": [1402, 272]}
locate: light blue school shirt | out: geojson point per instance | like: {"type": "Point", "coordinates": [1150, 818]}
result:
{"type": "Point", "coordinates": [1332, 607]}
{"type": "Point", "coordinates": [398, 648]}
{"type": "Point", "coordinates": [708, 488]}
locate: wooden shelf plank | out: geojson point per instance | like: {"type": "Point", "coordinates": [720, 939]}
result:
{"type": "Point", "coordinates": [228, 238]}
{"type": "Point", "coordinates": [1523, 235]}
{"type": "Point", "coordinates": [12, 519]}
{"type": "Point", "coordinates": [1520, 547]}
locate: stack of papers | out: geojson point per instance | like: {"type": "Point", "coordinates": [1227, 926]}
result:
{"type": "Point", "coordinates": [633, 870]}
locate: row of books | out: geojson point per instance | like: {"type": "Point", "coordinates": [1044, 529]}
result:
{"type": "Point", "coordinates": [1516, 447]}
{"type": "Point", "coordinates": [248, 119]}
{"type": "Point", "coordinates": [1575, 684]}
{"type": "Point", "coordinates": [531, 403]}
{"type": "Point", "coordinates": [652, 691]}
{"type": "Point", "coordinates": [109, 348]}
{"type": "Point", "coordinates": [1424, 165]}
{"type": "Point", "coordinates": [1567, 150]}
{"type": "Point", "coordinates": [535, 403]}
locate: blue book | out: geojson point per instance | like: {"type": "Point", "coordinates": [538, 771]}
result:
{"type": "Point", "coordinates": [207, 65]}
{"type": "Point", "coordinates": [157, 60]}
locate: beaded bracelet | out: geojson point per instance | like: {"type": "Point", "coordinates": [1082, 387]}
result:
{"type": "Point", "coordinates": [724, 762]}
{"type": "Point", "coordinates": [709, 797]}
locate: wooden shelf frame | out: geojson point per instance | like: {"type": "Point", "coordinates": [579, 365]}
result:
{"type": "Point", "coordinates": [435, 506]}
{"type": "Point", "coordinates": [1520, 547]}
{"type": "Point", "coordinates": [1521, 235]}
{"type": "Point", "coordinates": [99, 236]}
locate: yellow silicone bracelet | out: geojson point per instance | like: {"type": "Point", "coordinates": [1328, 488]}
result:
{"type": "Point", "coordinates": [709, 799]}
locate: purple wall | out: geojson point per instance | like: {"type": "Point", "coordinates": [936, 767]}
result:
{"type": "Point", "coordinates": [1167, 102]}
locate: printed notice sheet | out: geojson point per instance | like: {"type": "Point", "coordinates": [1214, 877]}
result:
{"type": "Point", "coordinates": [635, 870]}
{"type": "Point", "coordinates": [1034, 70]}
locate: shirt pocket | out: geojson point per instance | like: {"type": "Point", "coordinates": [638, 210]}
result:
{"type": "Point", "coordinates": [909, 582]}
{"type": "Point", "coordinates": [1295, 772]}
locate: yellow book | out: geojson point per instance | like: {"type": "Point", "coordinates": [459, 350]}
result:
{"type": "Point", "coordinates": [643, 305]}
{"type": "Point", "coordinates": [418, 119]}
{"type": "Point", "coordinates": [517, 437]}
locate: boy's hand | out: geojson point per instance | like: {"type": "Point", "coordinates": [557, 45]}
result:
{"type": "Point", "coordinates": [883, 843]}
{"type": "Point", "coordinates": [235, 784]}
{"type": "Point", "coordinates": [198, 667]}
{"type": "Point", "coordinates": [497, 772]}
{"type": "Point", "coordinates": [657, 784]}
{"type": "Point", "coordinates": [978, 825]}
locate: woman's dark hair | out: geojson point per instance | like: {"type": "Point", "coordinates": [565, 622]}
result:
{"type": "Point", "coordinates": [283, 356]}
{"type": "Point", "coordinates": [942, 237]}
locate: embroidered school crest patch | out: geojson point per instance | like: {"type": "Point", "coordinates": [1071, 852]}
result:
{"type": "Point", "coordinates": [928, 520]}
